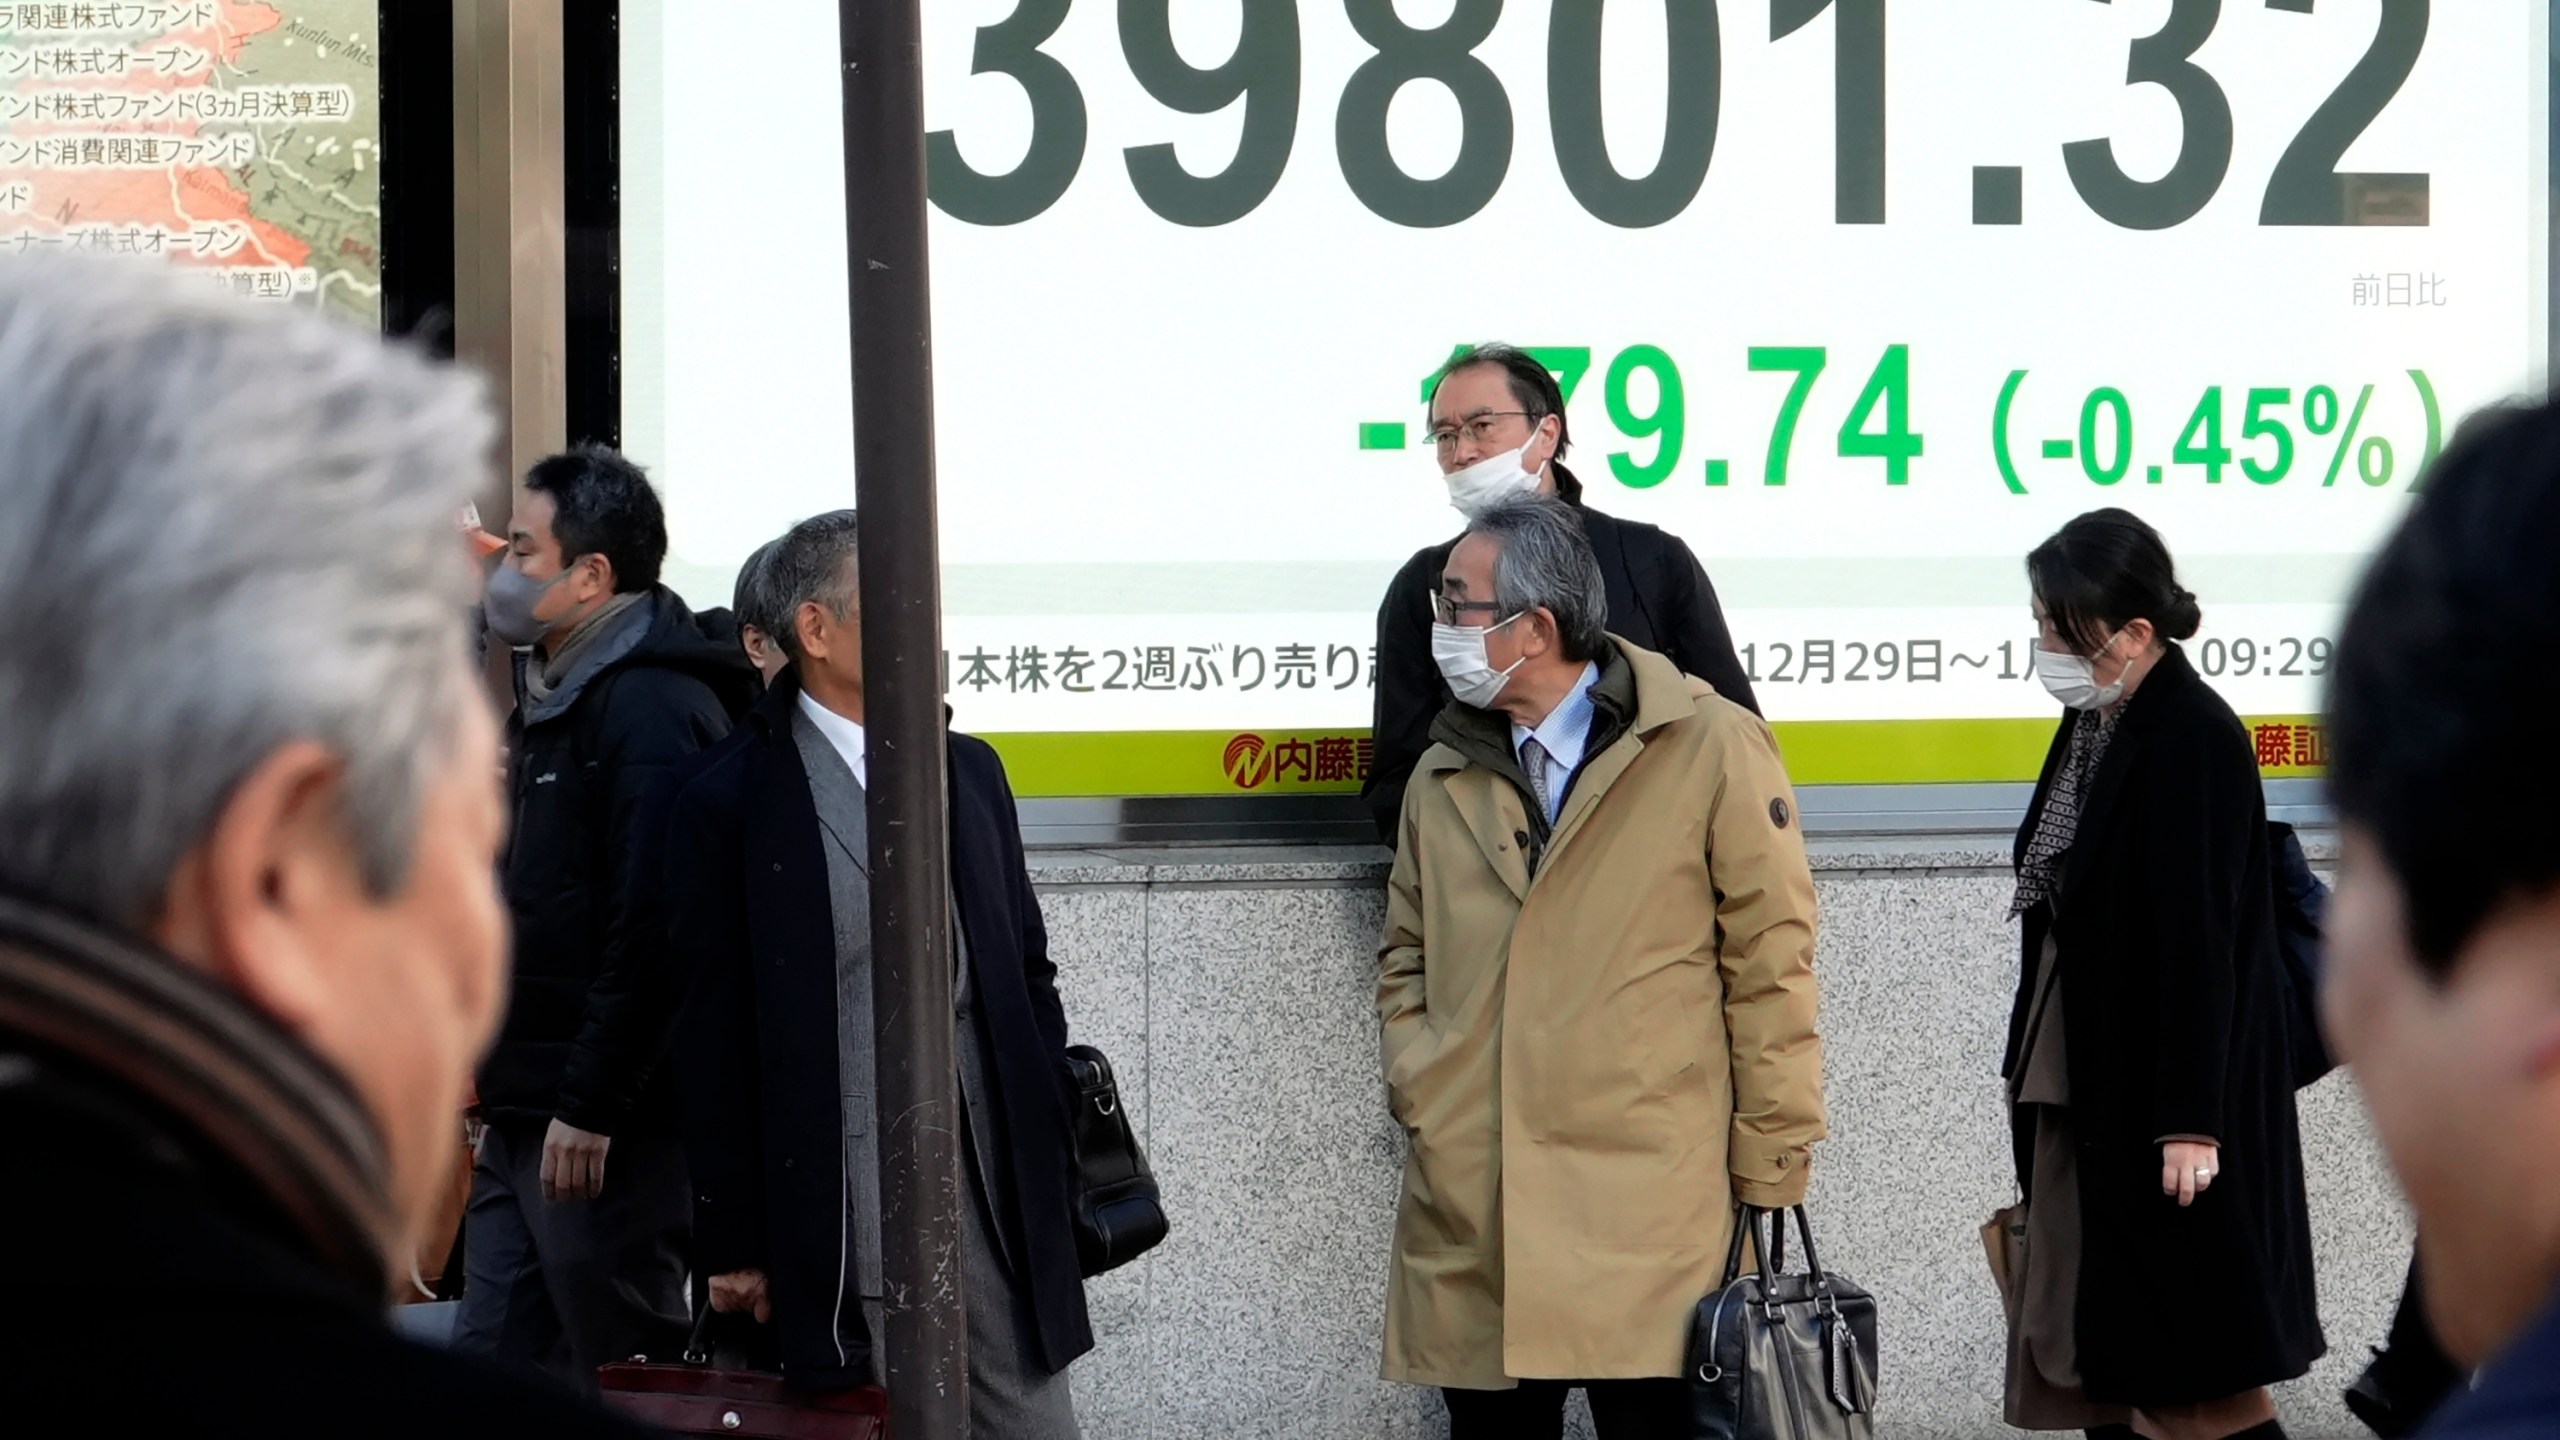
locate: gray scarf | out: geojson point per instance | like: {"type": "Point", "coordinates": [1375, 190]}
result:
{"type": "Point", "coordinates": [541, 679]}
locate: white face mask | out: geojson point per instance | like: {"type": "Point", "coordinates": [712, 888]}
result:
{"type": "Point", "coordinates": [2073, 679]}
{"type": "Point", "coordinates": [1492, 480]}
{"type": "Point", "coordinates": [1460, 653]}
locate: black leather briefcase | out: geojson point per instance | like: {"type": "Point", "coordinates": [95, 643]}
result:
{"type": "Point", "coordinates": [1782, 1357]}
{"type": "Point", "coordinates": [1119, 1213]}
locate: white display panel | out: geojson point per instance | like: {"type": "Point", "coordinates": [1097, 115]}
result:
{"type": "Point", "coordinates": [1168, 407]}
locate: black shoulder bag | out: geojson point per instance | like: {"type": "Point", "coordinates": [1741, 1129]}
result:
{"type": "Point", "coordinates": [1782, 1357]}
{"type": "Point", "coordinates": [1119, 1214]}
{"type": "Point", "coordinates": [2302, 907]}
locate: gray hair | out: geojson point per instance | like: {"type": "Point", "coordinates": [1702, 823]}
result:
{"type": "Point", "coordinates": [223, 528]}
{"type": "Point", "coordinates": [1545, 559]}
{"type": "Point", "coordinates": [817, 564]}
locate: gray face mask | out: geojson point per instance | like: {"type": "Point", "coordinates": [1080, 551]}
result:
{"type": "Point", "coordinates": [509, 604]}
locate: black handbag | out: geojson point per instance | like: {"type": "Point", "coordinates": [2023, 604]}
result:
{"type": "Point", "coordinates": [1774, 1356]}
{"type": "Point", "coordinates": [2302, 908]}
{"type": "Point", "coordinates": [1119, 1213]}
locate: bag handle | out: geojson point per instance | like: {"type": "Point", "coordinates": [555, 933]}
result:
{"type": "Point", "coordinates": [1812, 1257]}
{"type": "Point", "coordinates": [1823, 1300]}
{"type": "Point", "coordinates": [1745, 1221]}
{"type": "Point", "coordinates": [1772, 1255]}
{"type": "Point", "coordinates": [697, 1348]}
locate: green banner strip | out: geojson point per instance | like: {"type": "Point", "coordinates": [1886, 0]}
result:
{"type": "Point", "coordinates": [1063, 765]}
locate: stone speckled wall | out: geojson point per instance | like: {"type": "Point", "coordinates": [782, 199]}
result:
{"type": "Point", "coordinates": [1232, 991]}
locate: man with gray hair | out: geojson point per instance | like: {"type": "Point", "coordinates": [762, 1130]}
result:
{"type": "Point", "coordinates": [1605, 851]}
{"type": "Point", "coordinates": [250, 938]}
{"type": "Point", "coordinates": [771, 909]}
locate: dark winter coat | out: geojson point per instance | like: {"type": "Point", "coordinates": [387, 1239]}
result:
{"type": "Point", "coordinates": [2518, 1397]}
{"type": "Point", "coordinates": [203, 1220]}
{"type": "Point", "coordinates": [2173, 1025]}
{"type": "Point", "coordinates": [752, 919]}
{"type": "Point", "coordinates": [1659, 598]}
{"type": "Point", "coordinates": [592, 772]}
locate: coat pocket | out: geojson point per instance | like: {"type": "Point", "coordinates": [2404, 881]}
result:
{"type": "Point", "coordinates": [1408, 1074]}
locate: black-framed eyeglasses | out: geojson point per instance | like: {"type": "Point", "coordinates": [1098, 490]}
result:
{"type": "Point", "coordinates": [1478, 428]}
{"type": "Point", "coordinates": [1446, 611]}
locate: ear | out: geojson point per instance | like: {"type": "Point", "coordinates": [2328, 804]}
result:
{"type": "Point", "coordinates": [1545, 637]}
{"type": "Point", "coordinates": [810, 623]}
{"type": "Point", "coordinates": [1549, 432]}
{"type": "Point", "coordinates": [2139, 635]}
{"type": "Point", "coordinates": [255, 902]}
{"type": "Point", "coordinates": [2542, 1055]}
{"type": "Point", "coordinates": [602, 581]}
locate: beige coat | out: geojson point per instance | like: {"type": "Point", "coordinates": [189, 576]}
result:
{"type": "Point", "coordinates": [1592, 1062]}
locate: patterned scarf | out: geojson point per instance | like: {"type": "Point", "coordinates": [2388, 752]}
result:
{"type": "Point", "coordinates": [2040, 873]}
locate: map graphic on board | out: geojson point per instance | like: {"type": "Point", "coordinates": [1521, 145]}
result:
{"type": "Point", "coordinates": [241, 139]}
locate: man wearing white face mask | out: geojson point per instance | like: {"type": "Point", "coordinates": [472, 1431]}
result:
{"type": "Point", "coordinates": [1607, 850]}
{"type": "Point", "coordinates": [1498, 426]}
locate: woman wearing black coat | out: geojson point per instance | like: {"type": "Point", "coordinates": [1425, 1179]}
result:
{"type": "Point", "coordinates": [2164, 1274]}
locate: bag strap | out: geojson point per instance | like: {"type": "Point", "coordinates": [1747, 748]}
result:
{"type": "Point", "coordinates": [1742, 1221]}
{"type": "Point", "coordinates": [1768, 1277]}
{"type": "Point", "coordinates": [697, 1347]}
{"type": "Point", "coordinates": [1812, 1257]}
{"type": "Point", "coordinates": [1773, 1252]}
{"type": "Point", "coordinates": [1823, 1300]}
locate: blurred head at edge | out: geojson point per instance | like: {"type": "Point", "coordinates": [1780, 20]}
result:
{"type": "Point", "coordinates": [241, 723]}
{"type": "Point", "coordinates": [2443, 981]}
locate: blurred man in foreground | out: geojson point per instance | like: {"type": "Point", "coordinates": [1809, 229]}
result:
{"type": "Point", "coordinates": [250, 943]}
{"type": "Point", "coordinates": [2443, 985]}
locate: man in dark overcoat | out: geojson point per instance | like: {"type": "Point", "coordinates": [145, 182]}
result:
{"type": "Point", "coordinates": [770, 904]}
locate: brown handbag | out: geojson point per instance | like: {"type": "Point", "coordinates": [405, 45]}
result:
{"type": "Point", "coordinates": [697, 1398]}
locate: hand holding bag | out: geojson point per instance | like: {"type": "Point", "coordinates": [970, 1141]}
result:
{"type": "Point", "coordinates": [1119, 1213]}
{"type": "Point", "coordinates": [697, 1398]}
{"type": "Point", "coordinates": [1782, 1357]}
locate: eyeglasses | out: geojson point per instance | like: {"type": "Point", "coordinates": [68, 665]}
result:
{"type": "Point", "coordinates": [1446, 611]}
{"type": "Point", "coordinates": [1478, 428]}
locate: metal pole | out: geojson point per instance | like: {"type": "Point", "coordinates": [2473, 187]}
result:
{"type": "Point", "coordinates": [911, 949]}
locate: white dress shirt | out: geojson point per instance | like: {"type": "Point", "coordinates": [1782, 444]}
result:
{"type": "Point", "coordinates": [1562, 737]}
{"type": "Point", "coordinates": [845, 735]}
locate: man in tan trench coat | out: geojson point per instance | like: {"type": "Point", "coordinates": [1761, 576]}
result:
{"type": "Point", "coordinates": [1595, 1000]}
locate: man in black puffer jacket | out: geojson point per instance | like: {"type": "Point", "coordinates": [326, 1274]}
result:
{"type": "Point", "coordinates": [574, 1261]}
{"type": "Point", "coordinates": [1498, 423]}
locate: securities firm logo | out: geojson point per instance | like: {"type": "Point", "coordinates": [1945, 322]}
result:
{"type": "Point", "coordinates": [1249, 762]}
{"type": "Point", "coordinates": [1329, 762]}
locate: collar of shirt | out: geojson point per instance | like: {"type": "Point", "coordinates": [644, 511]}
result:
{"type": "Point", "coordinates": [1565, 731]}
{"type": "Point", "coordinates": [845, 735]}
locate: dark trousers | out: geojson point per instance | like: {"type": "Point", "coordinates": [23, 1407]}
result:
{"type": "Point", "coordinates": [1620, 1410]}
{"type": "Point", "coordinates": [569, 1285]}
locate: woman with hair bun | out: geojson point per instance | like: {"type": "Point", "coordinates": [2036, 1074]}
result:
{"type": "Point", "coordinates": [2159, 1269]}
